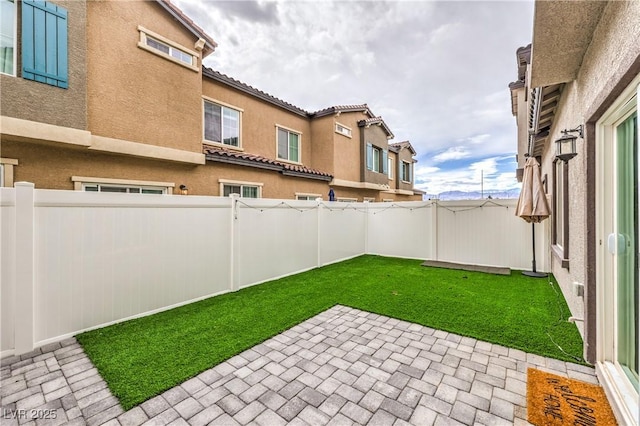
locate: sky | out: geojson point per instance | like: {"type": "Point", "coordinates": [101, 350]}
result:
{"type": "Point", "coordinates": [436, 71]}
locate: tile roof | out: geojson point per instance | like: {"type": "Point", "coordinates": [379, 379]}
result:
{"type": "Point", "coordinates": [243, 87]}
{"type": "Point", "coordinates": [213, 153]}
{"type": "Point", "coordinates": [376, 120]}
{"type": "Point", "coordinates": [342, 108]}
{"type": "Point", "coordinates": [398, 146]}
{"type": "Point", "coordinates": [210, 44]}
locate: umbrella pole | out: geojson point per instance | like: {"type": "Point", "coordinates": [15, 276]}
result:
{"type": "Point", "coordinates": [533, 273]}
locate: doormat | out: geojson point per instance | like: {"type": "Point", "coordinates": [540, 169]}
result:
{"type": "Point", "coordinates": [554, 400]}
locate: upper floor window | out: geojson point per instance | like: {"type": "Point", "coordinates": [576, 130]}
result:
{"type": "Point", "coordinates": [44, 43]}
{"type": "Point", "coordinates": [221, 124]}
{"type": "Point", "coordinates": [377, 159]}
{"type": "Point", "coordinates": [405, 171]}
{"type": "Point", "coordinates": [167, 49]}
{"type": "Point", "coordinates": [7, 37]}
{"type": "Point", "coordinates": [390, 161]}
{"type": "Point", "coordinates": [288, 145]}
{"type": "Point", "coordinates": [343, 130]}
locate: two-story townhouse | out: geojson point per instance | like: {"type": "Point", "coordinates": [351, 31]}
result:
{"type": "Point", "coordinates": [576, 104]}
{"type": "Point", "coordinates": [142, 115]}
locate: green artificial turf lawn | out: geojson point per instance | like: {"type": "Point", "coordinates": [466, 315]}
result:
{"type": "Point", "coordinates": [144, 357]}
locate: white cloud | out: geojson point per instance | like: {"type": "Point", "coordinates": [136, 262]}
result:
{"type": "Point", "coordinates": [455, 153]}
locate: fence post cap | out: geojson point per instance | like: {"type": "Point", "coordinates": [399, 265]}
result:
{"type": "Point", "coordinates": [24, 184]}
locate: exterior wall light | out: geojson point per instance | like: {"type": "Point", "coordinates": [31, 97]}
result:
{"type": "Point", "coordinates": [184, 190]}
{"type": "Point", "coordinates": [566, 144]}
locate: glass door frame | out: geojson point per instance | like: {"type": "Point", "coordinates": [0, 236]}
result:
{"type": "Point", "coordinates": [621, 392]}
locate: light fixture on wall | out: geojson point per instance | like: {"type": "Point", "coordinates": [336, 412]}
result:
{"type": "Point", "coordinates": [566, 144]}
{"type": "Point", "coordinates": [184, 190]}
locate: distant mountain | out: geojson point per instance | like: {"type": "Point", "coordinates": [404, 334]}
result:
{"type": "Point", "coordinates": [475, 195]}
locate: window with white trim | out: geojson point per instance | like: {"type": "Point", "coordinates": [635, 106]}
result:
{"type": "Point", "coordinates": [221, 124]}
{"type": "Point", "coordinates": [124, 189]}
{"type": "Point", "coordinates": [369, 199]}
{"type": "Point", "coordinates": [377, 159]}
{"type": "Point", "coordinates": [343, 130]}
{"type": "Point", "coordinates": [125, 186]}
{"type": "Point", "coordinates": [347, 200]}
{"type": "Point", "coordinates": [245, 191]}
{"type": "Point", "coordinates": [390, 167]}
{"type": "Point", "coordinates": [167, 49]}
{"type": "Point", "coordinates": [310, 197]}
{"type": "Point", "coordinates": [288, 145]}
{"type": "Point", "coordinates": [8, 19]}
{"type": "Point", "coordinates": [405, 171]}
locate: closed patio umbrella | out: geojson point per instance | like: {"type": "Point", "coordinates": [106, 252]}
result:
{"type": "Point", "coordinates": [532, 205]}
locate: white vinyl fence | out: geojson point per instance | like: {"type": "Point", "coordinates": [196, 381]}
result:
{"type": "Point", "coordinates": [71, 261]}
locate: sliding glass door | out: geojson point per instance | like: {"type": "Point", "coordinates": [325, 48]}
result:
{"type": "Point", "coordinates": [618, 252]}
{"type": "Point", "coordinates": [626, 259]}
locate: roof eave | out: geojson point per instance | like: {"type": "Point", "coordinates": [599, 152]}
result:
{"type": "Point", "coordinates": [210, 44]}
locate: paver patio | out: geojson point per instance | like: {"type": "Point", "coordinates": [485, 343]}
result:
{"type": "Point", "coordinates": [341, 367]}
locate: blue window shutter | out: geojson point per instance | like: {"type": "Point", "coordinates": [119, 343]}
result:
{"type": "Point", "coordinates": [385, 162]}
{"type": "Point", "coordinates": [369, 156]}
{"type": "Point", "coordinates": [44, 43]}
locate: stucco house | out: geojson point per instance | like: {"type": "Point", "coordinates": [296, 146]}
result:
{"type": "Point", "coordinates": [578, 82]}
{"type": "Point", "coordinates": [143, 115]}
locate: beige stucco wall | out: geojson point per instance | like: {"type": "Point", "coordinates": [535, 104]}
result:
{"type": "Point", "coordinates": [34, 101]}
{"type": "Point", "coordinates": [259, 120]}
{"type": "Point", "coordinates": [322, 145]}
{"type": "Point", "coordinates": [52, 167]}
{"type": "Point", "coordinates": [135, 95]}
{"type": "Point", "coordinates": [522, 118]}
{"type": "Point", "coordinates": [349, 152]}
{"type": "Point", "coordinates": [615, 40]}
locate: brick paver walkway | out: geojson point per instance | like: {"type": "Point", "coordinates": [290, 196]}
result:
{"type": "Point", "coordinates": [341, 367]}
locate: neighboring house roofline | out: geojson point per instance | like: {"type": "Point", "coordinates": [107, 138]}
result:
{"type": "Point", "coordinates": [250, 90]}
{"type": "Point", "coordinates": [378, 121]}
{"type": "Point", "coordinates": [210, 44]}
{"type": "Point", "coordinates": [222, 155]}
{"type": "Point", "coordinates": [338, 109]}
{"type": "Point", "coordinates": [399, 146]}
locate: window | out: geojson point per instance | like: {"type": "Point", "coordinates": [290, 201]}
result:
{"type": "Point", "coordinates": [405, 171]}
{"type": "Point", "coordinates": [560, 203]}
{"type": "Point", "coordinates": [7, 37]}
{"type": "Point", "coordinates": [390, 167]}
{"type": "Point", "coordinates": [123, 189]}
{"type": "Point", "coordinates": [343, 130]}
{"type": "Point", "coordinates": [369, 199]}
{"type": "Point", "coordinates": [44, 43]}
{"type": "Point", "coordinates": [377, 159]}
{"type": "Point", "coordinates": [347, 200]}
{"type": "Point", "coordinates": [125, 186]}
{"type": "Point", "coordinates": [245, 191]}
{"type": "Point", "coordinates": [167, 49]}
{"type": "Point", "coordinates": [310, 197]}
{"type": "Point", "coordinates": [288, 145]}
{"type": "Point", "coordinates": [221, 124]}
